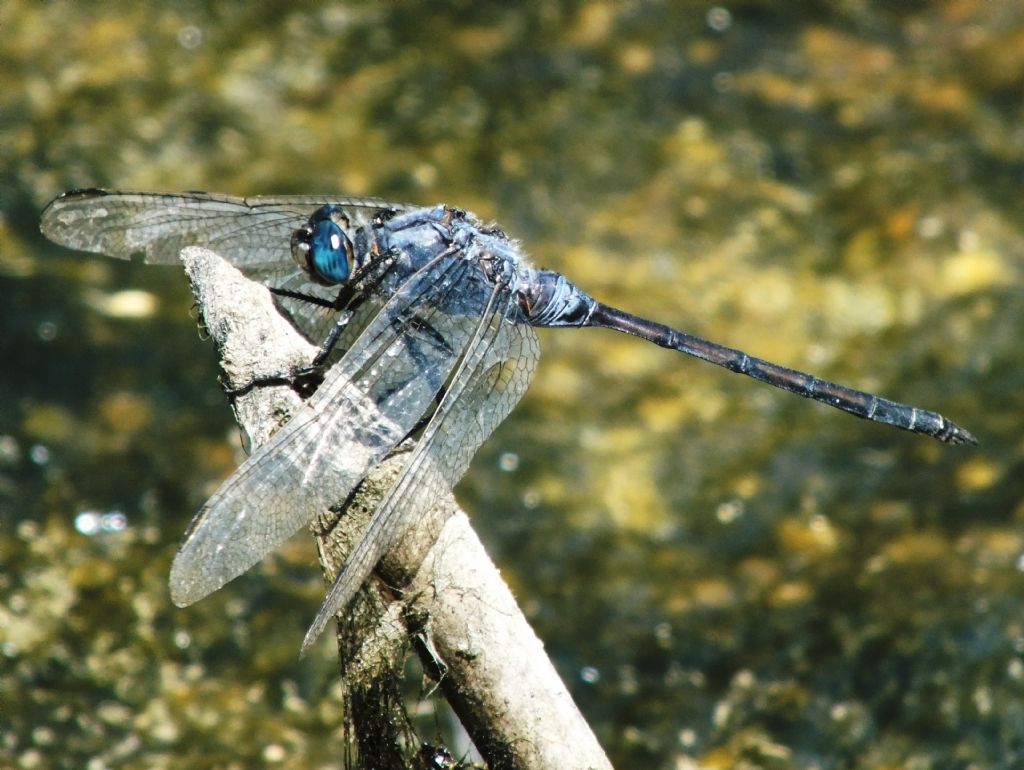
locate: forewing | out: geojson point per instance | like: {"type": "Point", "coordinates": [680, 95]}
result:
{"type": "Point", "coordinates": [254, 234]}
{"type": "Point", "coordinates": [369, 401]}
{"type": "Point", "coordinates": [492, 376]}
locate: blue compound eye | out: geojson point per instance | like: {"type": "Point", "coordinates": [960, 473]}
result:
{"type": "Point", "coordinates": [322, 249]}
{"type": "Point", "coordinates": [331, 253]}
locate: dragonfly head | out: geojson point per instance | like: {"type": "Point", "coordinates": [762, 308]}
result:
{"type": "Point", "coordinates": [322, 249]}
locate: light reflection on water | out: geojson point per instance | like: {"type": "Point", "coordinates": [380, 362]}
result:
{"type": "Point", "coordinates": [91, 523]}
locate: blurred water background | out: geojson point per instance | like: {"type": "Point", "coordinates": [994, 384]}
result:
{"type": "Point", "coordinates": [726, 575]}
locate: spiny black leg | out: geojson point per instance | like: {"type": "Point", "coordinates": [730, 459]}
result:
{"type": "Point", "coordinates": [362, 282]}
{"type": "Point", "coordinates": [329, 304]}
{"type": "Point", "coordinates": [306, 379]}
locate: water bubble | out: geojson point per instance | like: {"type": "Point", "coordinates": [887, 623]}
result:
{"type": "Point", "coordinates": [88, 523]}
{"type": "Point", "coordinates": [114, 521]}
{"type": "Point", "coordinates": [190, 37]}
{"type": "Point", "coordinates": [719, 18]}
{"type": "Point", "coordinates": [39, 454]}
{"type": "Point", "coordinates": [590, 675]}
{"type": "Point", "coordinates": [91, 523]}
{"type": "Point", "coordinates": [728, 512]}
{"type": "Point", "coordinates": [508, 462]}
{"type": "Point", "coordinates": [47, 331]}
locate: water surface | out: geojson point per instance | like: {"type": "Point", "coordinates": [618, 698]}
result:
{"type": "Point", "coordinates": [723, 573]}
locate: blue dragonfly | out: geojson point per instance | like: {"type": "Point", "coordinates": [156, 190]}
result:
{"type": "Point", "coordinates": [425, 320]}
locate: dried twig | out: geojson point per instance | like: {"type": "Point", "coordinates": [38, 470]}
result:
{"type": "Point", "coordinates": [461, 617]}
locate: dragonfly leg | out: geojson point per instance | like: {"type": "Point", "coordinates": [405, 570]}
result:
{"type": "Point", "coordinates": [326, 347]}
{"type": "Point", "coordinates": [329, 304]}
{"type": "Point", "coordinates": [303, 381]}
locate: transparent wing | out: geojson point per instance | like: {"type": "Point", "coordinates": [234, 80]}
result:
{"type": "Point", "coordinates": [369, 401]}
{"type": "Point", "coordinates": [493, 375]}
{"type": "Point", "coordinates": [254, 234]}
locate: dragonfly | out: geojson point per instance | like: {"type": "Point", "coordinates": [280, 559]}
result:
{"type": "Point", "coordinates": [424, 318]}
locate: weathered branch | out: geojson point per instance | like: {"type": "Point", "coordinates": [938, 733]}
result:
{"type": "Point", "coordinates": [463, 620]}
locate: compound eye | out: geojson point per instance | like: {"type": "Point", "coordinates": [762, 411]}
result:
{"type": "Point", "coordinates": [331, 256]}
{"type": "Point", "coordinates": [322, 249]}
